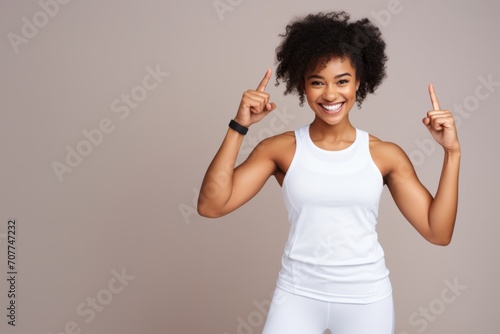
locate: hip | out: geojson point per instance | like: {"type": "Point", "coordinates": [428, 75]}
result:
{"type": "Point", "coordinates": [360, 283]}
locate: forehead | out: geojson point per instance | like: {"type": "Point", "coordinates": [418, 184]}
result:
{"type": "Point", "coordinates": [334, 66]}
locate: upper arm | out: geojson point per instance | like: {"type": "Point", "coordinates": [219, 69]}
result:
{"type": "Point", "coordinates": [251, 175]}
{"type": "Point", "coordinates": [409, 194]}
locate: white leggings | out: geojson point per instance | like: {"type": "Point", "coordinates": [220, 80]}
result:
{"type": "Point", "coordinates": [293, 314]}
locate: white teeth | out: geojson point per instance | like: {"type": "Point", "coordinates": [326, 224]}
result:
{"type": "Point", "coordinates": [332, 107]}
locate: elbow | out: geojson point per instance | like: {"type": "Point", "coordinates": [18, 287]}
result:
{"type": "Point", "coordinates": [204, 212]}
{"type": "Point", "coordinates": [440, 235]}
{"type": "Point", "coordinates": [208, 211]}
{"type": "Point", "coordinates": [442, 241]}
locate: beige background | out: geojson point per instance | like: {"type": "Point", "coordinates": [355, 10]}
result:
{"type": "Point", "coordinates": [128, 206]}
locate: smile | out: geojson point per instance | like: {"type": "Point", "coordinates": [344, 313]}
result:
{"type": "Point", "coordinates": [332, 108]}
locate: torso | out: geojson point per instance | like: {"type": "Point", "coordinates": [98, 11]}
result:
{"type": "Point", "coordinates": [283, 150]}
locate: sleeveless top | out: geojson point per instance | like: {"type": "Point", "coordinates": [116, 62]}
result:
{"type": "Point", "coordinates": [332, 198]}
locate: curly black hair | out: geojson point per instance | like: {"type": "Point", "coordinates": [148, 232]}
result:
{"type": "Point", "coordinates": [312, 41]}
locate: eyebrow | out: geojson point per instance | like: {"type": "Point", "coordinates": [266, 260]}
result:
{"type": "Point", "coordinates": [316, 76]}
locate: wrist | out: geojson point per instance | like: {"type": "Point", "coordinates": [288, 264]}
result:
{"type": "Point", "coordinates": [238, 127]}
{"type": "Point", "coordinates": [241, 122]}
{"type": "Point", "coordinates": [452, 154]}
{"type": "Point", "coordinates": [453, 151]}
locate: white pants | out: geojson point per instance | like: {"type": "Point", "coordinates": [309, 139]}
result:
{"type": "Point", "coordinates": [293, 314]}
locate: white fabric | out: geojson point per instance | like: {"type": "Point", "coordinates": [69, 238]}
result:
{"type": "Point", "coordinates": [332, 197]}
{"type": "Point", "coordinates": [293, 314]}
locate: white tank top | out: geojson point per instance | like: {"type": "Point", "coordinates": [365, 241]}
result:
{"type": "Point", "coordinates": [332, 198]}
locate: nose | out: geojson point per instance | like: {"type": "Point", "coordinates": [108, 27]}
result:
{"type": "Point", "coordinates": [330, 93]}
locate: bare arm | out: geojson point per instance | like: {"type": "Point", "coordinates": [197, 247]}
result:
{"type": "Point", "coordinates": [225, 187]}
{"type": "Point", "coordinates": [433, 217]}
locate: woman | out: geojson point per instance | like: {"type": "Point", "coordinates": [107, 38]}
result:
{"type": "Point", "coordinates": [333, 271]}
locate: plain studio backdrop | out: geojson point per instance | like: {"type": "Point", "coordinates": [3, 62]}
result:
{"type": "Point", "coordinates": [112, 111]}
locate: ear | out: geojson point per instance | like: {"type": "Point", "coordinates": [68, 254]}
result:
{"type": "Point", "coordinates": [357, 84]}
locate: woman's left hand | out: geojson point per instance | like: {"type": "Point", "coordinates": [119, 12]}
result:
{"type": "Point", "coordinates": [441, 124]}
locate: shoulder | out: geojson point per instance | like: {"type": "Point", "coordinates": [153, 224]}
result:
{"type": "Point", "coordinates": [388, 156]}
{"type": "Point", "coordinates": [277, 143]}
{"type": "Point", "coordinates": [384, 146]}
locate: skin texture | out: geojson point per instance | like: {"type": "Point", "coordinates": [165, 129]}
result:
{"type": "Point", "coordinates": [225, 188]}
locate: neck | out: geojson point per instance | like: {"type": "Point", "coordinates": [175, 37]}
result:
{"type": "Point", "coordinates": [332, 132]}
{"type": "Point", "coordinates": [332, 137]}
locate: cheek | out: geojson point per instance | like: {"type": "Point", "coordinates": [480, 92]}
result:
{"type": "Point", "coordinates": [349, 92]}
{"type": "Point", "coordinates": [311, 94]}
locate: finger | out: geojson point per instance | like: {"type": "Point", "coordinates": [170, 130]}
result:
{"type": "Point", "coordinates": [266, 109]}
{"type": "Point", "coordinates": [256, 94]}
{"type": "Point", "coordinates": [265, 80]}
{"type": "Point", "coordinates": [434, 100]}
{"type": "Point", "coordinates": [257, 104]}
{"type": "Point", "coordinates": [442, 121]}
{"type": "Point", "coordinates": [439, 113]}
{"type": "Point", "coordinates": [433, 115]}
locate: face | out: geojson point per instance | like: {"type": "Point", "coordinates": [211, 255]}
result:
{"type": "Point", "coordinates": [331, 91]}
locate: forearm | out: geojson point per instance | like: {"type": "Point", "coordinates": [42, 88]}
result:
{"type": "Point", "coordinates": [443, 209]}
{"type": "Point", "coordinates": [217, 184]}
{"type": "Point", "coordinates": [217, 187]}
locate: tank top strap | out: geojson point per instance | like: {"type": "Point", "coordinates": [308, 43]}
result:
{"type": "Point", "coordinates": [300, 135]}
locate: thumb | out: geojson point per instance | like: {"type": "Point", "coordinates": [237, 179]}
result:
{"type": "Point", "coordinates": [270, 106]}
{"type": "Point", "coordinates": [427, 123]}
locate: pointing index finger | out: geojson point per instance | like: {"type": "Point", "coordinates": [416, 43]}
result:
{"type": "Point", "coordinates": [265, 80]}
{"type": "Point", "coordinates": [434, 100]}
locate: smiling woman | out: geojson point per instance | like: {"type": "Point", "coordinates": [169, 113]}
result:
{"type": "Point", "coordinates": [332, 174]}
{"type": "Point", "coordinates": [331, 91]}
{"type": "Point", "coordinates": [311, 42]}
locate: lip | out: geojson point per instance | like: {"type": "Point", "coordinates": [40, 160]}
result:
{"type": "Point", "coordinates": [330, 112]}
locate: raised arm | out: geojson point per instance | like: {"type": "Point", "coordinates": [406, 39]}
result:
{"type": "Point", "coordinates": [225, 187]}
{"type": "Point", "coordinates": [433, 217]}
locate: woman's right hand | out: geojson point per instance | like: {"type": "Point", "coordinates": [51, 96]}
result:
{"type": "Point", "coordinates": [255, 104]}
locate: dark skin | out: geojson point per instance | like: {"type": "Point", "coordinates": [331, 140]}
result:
{"type": "Point", "coordinates": [331, 93]}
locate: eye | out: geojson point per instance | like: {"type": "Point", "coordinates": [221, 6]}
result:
{"type": "Point", "coordinates": [343, 82]}
{"type": "Point", "coordinates": [316, 83]}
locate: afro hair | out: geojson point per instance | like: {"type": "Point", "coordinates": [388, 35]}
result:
{"type": "Point", "coordinates": [310, 42]}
